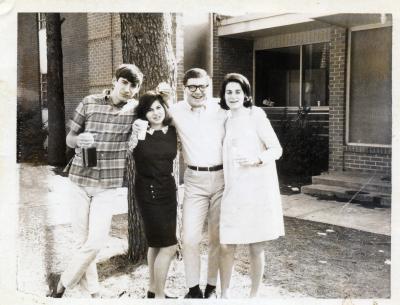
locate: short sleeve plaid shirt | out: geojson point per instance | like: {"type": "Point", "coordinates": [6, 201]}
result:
{"type": "Point", "coordinates": [111, 126]}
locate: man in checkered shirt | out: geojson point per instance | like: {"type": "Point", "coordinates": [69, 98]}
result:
{"type": "Point", "coordinates": [105, 121]}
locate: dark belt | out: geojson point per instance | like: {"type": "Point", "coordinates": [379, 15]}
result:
{"type": "Point", "coordinates": [206, 169]}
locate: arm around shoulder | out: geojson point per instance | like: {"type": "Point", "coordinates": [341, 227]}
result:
{"type": "Point", "coordinates": [268, 136]}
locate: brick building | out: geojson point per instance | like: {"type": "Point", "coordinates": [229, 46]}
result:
{"type": "Point", "coordinates": [344, 58]}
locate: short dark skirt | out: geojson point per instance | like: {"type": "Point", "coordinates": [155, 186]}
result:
{"type": "Point", "coordinates": [158, 207]}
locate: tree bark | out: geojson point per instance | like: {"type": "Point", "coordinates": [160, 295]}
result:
{"type": "Point", "coordinates": [137, 245]}
{"type": "Point", "coordinates": [55, 91]}
{"type": "Point", "coordinates": [147, 43]}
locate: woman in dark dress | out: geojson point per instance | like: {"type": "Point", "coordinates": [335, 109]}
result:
{"type": "Point", "coordinates": [155, 187]}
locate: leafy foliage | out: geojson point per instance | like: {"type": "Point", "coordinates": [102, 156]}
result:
{"type": "Point", "coordinates": [30, 137]}
{"type": "Point", "coordinates": [305, 151]}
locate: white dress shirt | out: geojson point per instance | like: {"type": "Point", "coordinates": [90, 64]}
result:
{"type": "Point", "coordinates": [201, 132]}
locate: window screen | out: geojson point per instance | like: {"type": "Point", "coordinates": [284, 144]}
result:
{"type": "Point", "coordinates": [370, 85]}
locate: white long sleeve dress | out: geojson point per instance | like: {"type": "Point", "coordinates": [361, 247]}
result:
{"type": "Point", "coordinates": [251, 207]}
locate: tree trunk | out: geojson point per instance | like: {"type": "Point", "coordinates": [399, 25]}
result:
{"type": "Point", "coordinates": [147, 43]}
{"type": "Point", "coordinates": [55, 91]}
{"type": "Point", "coordinates": [136, 239]}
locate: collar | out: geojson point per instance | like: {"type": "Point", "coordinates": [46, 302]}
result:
{"type": "Point", "coordinates": [203, 107]}
{"type": "Point", "coordinates": [151, 130]}
{"type": "Point", "coordinates": [246, 112]}
{"type": "Point", "coordinates": [200, 109]}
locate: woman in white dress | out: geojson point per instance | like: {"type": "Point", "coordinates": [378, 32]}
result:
{"type": "Point", "coordinates": [251, 208]}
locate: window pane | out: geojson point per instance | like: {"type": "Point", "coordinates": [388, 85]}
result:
{"type": "Point", "coordinates": [371, 86]}
{"type": "Point", "coordinates": [278, 76]}
{"type": "Point", "coordinates": [315, 77]}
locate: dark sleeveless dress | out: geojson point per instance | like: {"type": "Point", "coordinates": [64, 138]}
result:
{"type": "Point", "coordinates": [155, 186]}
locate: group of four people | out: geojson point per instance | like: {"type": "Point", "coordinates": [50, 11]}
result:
{"type": "Point", "coordinates": [230, 150]}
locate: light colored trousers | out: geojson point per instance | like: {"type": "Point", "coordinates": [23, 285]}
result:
{"type": "Point", "coordinates": [91, 215]}
{"type": "Point", "coordinates": [202, 198]}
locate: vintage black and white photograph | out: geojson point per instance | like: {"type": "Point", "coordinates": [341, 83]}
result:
{"type": "Point", "coordinates": [204, 154]}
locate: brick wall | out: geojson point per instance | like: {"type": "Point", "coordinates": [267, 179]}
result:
{"type": "Point", "coordinates": [28, 74]}
{"type": "Point", "coordinates": [342, 156]}
{"type": "Point", "coordinates": [105, 49]}
{"type": "Point", "coordinates": [230, 55]}
{"type": "Point", "coordinates": [93, 50]}
{"type": "Point", "coordinates": [337, 77]}
{"type": "Point", "coordinates": [368, 159]}
{"type": "Point", "coordinates": [74, 32]}
{"type": "Point", "coordinates": [90, 55]}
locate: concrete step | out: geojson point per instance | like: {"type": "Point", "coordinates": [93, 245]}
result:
{"type": "Point", "coordinates": [355, 181]}
{"type": "Point", "coordinates": [347, 194]}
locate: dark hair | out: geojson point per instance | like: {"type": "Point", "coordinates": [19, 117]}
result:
{"type": "Point", "coordinates": [194, 73]}
{"type": "Point", "coordinates": [129, 72]}
{"type": "Point", "coordinates": [243, 82]}
{"type": "Point", "coordinates": [145, 102]}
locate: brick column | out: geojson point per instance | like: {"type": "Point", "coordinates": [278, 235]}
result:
{"type": "Point", "coordinates": [74, 31]}
{"type": "Point", "coordinates": [230, 55]}
{"type": "Point", "coordinates": [337, 98]}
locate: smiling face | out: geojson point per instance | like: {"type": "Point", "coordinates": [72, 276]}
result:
{"type": "Point", "coordinates": [234, 95]}
{"type": "Point", "coordinates": [123, 90]}
{"type": "Point", "coordinates": [156, 115]}
{"type": "Point", "coordinates": [196, 91]}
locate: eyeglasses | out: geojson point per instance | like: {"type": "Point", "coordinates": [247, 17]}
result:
{"type": "Point", "coordinates": [193, 88]}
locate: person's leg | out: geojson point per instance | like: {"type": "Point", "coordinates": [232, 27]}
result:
{"type": "Point", "coordinates": [79, 204]}
{"type": "Point", "coordinates": [80, 208]}
{"type": "Point", "coordinates": [99, 222]}
{"type": "Point", "coordinates": [90, 280]}
{"type": "Point", "coordinates": [151, 257]}
{"type": "Point", "coordinates": [195, 208]}
{"type": "Point", "coordinates": [216, 189]}
{"type": "Point", "coordinates": [227, 253]}
{"type": "Point", "coordinates": [256, 267]}
{"type": "Point", "coordinates": [161, 267]}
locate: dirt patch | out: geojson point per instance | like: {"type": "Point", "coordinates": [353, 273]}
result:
{"type": "Point", "coordinates": [313, 259]}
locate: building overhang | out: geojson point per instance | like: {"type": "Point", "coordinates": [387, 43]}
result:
{"type": "Point", "coordinates": [252, 26]}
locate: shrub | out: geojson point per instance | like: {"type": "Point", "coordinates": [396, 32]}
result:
{"type": "Point", "coordinates": [305, 151]}
{"type": "Point", "coordinates": [30, 137]}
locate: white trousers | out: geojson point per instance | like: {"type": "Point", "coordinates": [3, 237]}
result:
{"type": "Point", "coordinates": [202, 198]}
{"type": "Point", "coordinates": [91, 215]}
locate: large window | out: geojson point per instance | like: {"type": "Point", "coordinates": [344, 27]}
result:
{"type": "Point", "coordinates": [292, 76]}
{"type": "Point", "coordinates": [369, 117]}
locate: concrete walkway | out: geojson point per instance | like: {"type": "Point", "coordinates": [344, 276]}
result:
{"type": "Point", "coordinates": [349, 215]}
{"type": "Point", "coordinates": [44, 233]}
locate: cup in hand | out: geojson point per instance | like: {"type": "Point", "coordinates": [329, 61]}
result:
{"type": "Point", "coordinates": [142, 128]}
{"type": "Point", "coordinates": [85, 139]}
{"type": "Point", "coordinates": [236, 153]}
{"type": "Point", "coordinates": [164, 88]}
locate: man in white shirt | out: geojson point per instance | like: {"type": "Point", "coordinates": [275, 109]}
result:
{"type": "Point", "coordinates": [200, 124]}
